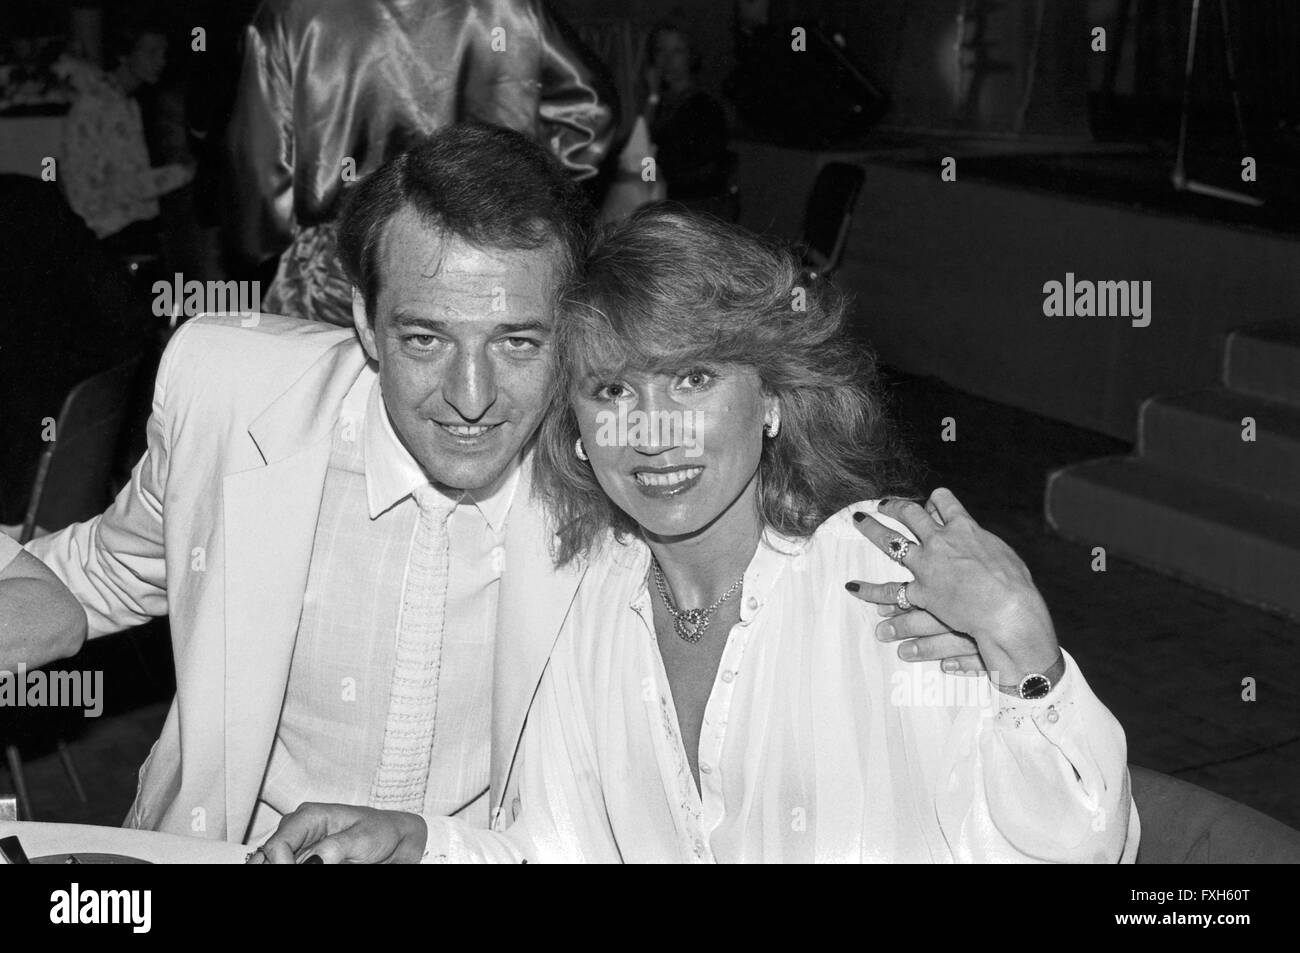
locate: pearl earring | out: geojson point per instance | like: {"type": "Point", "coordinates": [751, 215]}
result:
{"type": "Point", "coordinates": [577, 448]}
{"type": "Point", "coordinates": [773, 426]}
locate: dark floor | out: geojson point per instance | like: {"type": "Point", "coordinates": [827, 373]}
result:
{"type": "Point", "coordinates": [1167, 658]}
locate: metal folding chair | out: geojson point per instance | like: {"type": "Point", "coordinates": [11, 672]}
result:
{"type": "Point", "coordinates": [828, 216]}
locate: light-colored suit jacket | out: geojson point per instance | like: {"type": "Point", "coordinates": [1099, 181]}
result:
{"type": "Point", "coordinates": [216, 529]}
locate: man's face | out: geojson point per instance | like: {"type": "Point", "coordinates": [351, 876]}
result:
{"type": "Point", "coordinates": [462, 336]}
{"type": "Point", "coordinates": [149, 58]}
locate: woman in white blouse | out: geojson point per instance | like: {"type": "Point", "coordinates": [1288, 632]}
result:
{"type": "Point", "coordinates": [715, 694]}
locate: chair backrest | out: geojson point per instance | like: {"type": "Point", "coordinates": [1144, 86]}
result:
{"type": "Point", "coordinates": [829, 215]}
{"type": "Point", "coordinates": [72, 478]}
{"type": "Point", "coordinates": [1186, 824]}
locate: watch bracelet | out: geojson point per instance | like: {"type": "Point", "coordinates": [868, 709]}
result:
{"type": "Point", "coordinates": [1053, 674]}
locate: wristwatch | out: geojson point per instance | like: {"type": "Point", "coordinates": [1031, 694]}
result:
{"type": "Point", "coordinates": [1037, 684]}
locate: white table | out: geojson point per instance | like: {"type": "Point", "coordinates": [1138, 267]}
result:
{"type": "Point", "coordinates": [41, 839]}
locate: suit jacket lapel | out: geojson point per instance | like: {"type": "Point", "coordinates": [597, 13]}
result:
{"type": "Point", "coordinates": [270, 525]}
{"type": "Point", "coordinates": [535, 600]}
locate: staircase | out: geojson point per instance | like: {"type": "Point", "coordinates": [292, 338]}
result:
{"type": "Point", "coordinates": [1197, 501]}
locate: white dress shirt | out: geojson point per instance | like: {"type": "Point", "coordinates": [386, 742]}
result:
{"type": "Point", "coordinates": [818, 744]}
{"type": "Point", "coordinates": [331, 730]}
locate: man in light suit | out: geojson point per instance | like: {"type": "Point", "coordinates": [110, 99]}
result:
{"type": "Point", "coordinates": [332, 517]}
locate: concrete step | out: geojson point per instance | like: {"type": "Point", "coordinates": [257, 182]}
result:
{"type": "Point", "coordinates": [1265, 361]}
{"type": "Point", "coordinates": [1239, 544]}
{"type": "Point", "coordinates": [1200, 433]}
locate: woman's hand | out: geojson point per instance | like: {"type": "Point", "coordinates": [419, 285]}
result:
{"type": "Point", "coordinates": [975, 605]}
{"type": "Point", "coordinates": [344, 834]}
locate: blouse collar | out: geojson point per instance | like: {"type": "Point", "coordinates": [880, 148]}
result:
{"type": "Point", "coordinates": [775, 554]}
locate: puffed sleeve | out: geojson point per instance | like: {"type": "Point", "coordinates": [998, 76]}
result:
{"type": "Point", "coordinates": [1043, 780]}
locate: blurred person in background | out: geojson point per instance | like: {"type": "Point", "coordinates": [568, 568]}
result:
{"type": "Point", "coordinates": [106, 169]}
{"type": "Point", "coordinates": [331, 89]}
{"type": "Point", "coordinates": [687, 125]}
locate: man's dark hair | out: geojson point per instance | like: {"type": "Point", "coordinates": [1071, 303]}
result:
{"type": "Point", "coordinates": [488, 186]}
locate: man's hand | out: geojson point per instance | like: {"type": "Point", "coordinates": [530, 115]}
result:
{"type": "Point", "coordinates": [929, 639]}
{"type": "Point", "coordinates": [345, 834]}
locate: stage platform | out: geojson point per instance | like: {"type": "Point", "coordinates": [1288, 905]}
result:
{"type": "Point", "coordinates": [948, 277]}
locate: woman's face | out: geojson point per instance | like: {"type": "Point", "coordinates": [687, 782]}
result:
{"type": "Point", "coordinates": [675, 451]}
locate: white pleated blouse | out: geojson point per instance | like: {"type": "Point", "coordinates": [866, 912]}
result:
{"type": "Point", "coordinates": [819, 744]}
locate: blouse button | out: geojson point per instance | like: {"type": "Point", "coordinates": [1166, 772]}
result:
{"type": "Point", "coordinates": [1053, 716]}
{"type": "Point", "coordinates": [728, 676]}
{"type": "Point", "coordinates": [705, 768]}
{"type": "Point", "coordinates": [699, 846]}
{"type": "Point", "coordinates": [498, 559]}
{"type": "Point", "coordinates": [752, 602]}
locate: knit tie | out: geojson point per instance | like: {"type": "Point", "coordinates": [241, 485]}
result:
{"type": "Point", "coordinates": [403, 773]}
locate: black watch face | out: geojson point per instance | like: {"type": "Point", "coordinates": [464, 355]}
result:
{"type": "Point", "coordinates": [1035, 686]}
